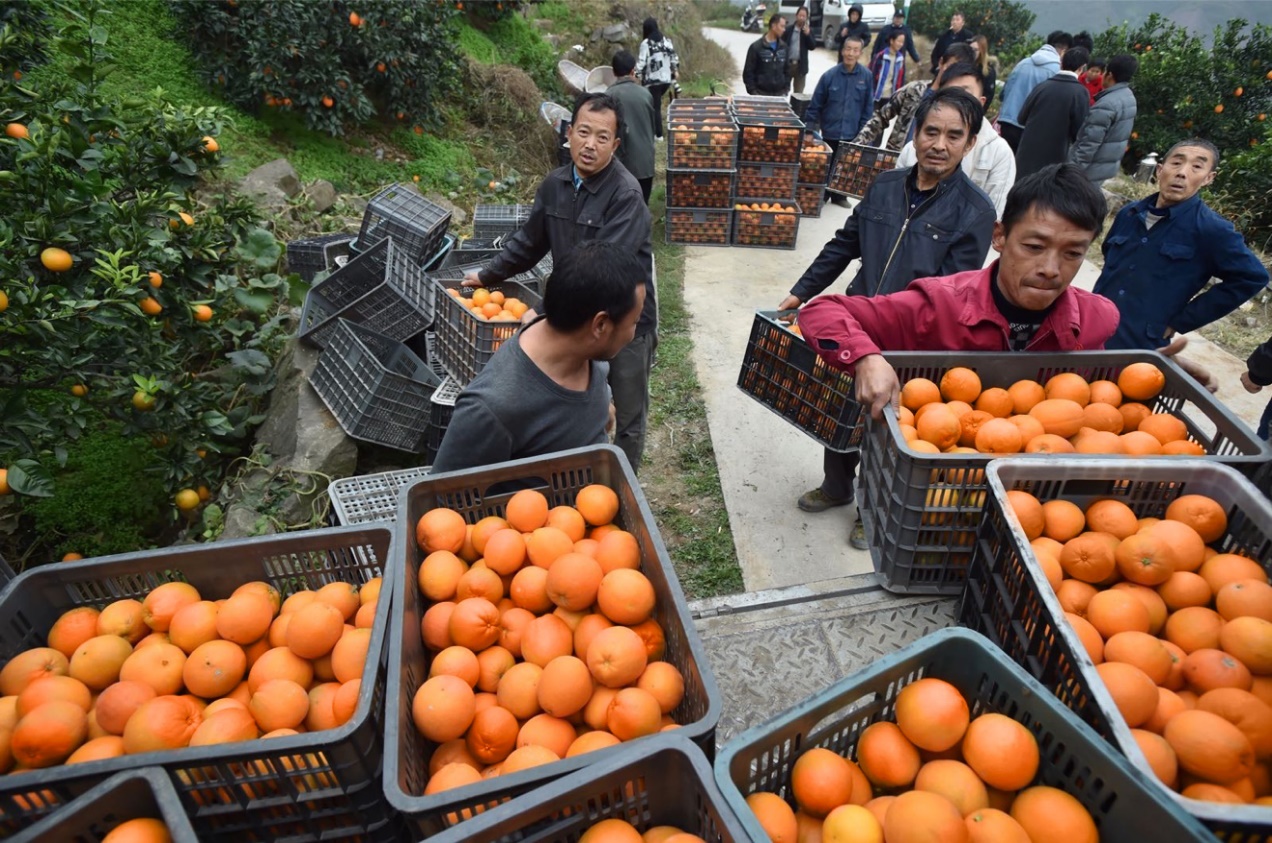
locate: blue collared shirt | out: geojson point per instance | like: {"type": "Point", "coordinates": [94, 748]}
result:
{"type": "Point", "coordinates": [842, 102]}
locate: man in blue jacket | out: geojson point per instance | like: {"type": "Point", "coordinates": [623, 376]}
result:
{"type": "Point", "coordinates": [843, 99]}
{"type": "Point", "coordinates": [1028, 74]}
{"type": "Point", "coordinates": [898, 25]}
{"type": "Point", "coordinates": [1162, 251]}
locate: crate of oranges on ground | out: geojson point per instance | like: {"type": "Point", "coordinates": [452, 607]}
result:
{"type": "Point", "coordinates": [1138, 592]}
{"type": "Point", "coordinates": [923, 472]}
{"type": "Point", "coordinates": [536, 630]}
{"type": "Point", "coordinates": [139, 806]}
{"type": "Point", "coordinates": [856, 167]}
{"type": "Point", "coordinates": [661, 787]}
{"type": "Point", "coordinates": [814, 161]}
{"type": "Point", "coordinates": [810, 197]}
{"type": "Point", "coordinates": [945, 740]}
{"type": "Point", "coordinates": [699, 226]}
{"type": "Point", "coordinates": [251, 672]}
{"type": "Point", "coordinates": [472, 322]}
{"type": "Point", "coordinates": [702, 143]}
{"type": "Point", "coordinates": [785, 375]}
{"type": "Point", "coordinates": [699, 188]}
{"type": "Point", "coordinates": [765, 225]}
{"type": "Point", "coordinates": [775, 181]}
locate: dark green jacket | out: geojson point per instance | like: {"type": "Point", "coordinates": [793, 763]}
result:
{"type": "Point", "coordinates": [637, 149]}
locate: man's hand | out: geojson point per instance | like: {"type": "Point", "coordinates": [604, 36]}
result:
{"type": "Point", "coordinates": [877, 384]}
{"type": "Point", "coordinates": [790, 303]}
{"type": "Point", "coordinates": [1250, 386]}
{"type": "Point", "coordinates": [613, 419]}
{"type": "Point", "coordinates": [472, 279]}
{"type": "Point", "coordinates": [1198, 372]}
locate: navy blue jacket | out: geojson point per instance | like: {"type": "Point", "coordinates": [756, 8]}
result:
{"type": "Point", "coordinates": [842, 102]}
{"type": "Point", "coordinates": [1153, 275]}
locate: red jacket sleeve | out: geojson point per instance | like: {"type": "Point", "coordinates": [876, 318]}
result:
{"type": "Point", "coordinates": [843, 329]}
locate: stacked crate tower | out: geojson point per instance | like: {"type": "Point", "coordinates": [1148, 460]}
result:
{"type": "Point", "coordinates": [701, 164]}
{"type": "Point", "coordinates": [765, 211]}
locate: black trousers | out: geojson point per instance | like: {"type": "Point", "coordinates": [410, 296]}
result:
{"type": "Point", "coordinates": [657, 90]}
{"type": "Point", "coordinates": [646, 185]}
{"type": "Point", "coordinates": [1011, 133]}
{"type": "Point", "coordinates": [840, 470]}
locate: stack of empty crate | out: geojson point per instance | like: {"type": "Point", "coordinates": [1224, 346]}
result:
{"type": "Point", "coordinates": [766, 213]}
{"type": "Point", "coordinates": [362, 315]}
{"type": "Point", "coordinates": [701, 165]}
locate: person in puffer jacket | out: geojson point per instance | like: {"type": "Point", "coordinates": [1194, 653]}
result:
{"type": "Point", "coordinates": [1107, 129]}
{"type": "Point", "coordinates": [1028, 74]}
{"type": "Point", "coordinates": [853, 25]}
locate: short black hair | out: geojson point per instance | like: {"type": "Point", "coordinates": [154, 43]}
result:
{"type": "Point", "coordinates": [1084, 39]}
{"type": "Point", "coordinates": [650, 30]}
{"type": "Point", "coordinates": [861, 42]}
{"type": "Point", "coordinates": [623, 63]}
{"type": "Point", "coordinates": [1198, 142]}
{"type": "Point", "coordinates": [1062, 189]}
{"type": "Point", "coordinates": [1060, 38]}
{"type": "Point", "coordinates": [599, 102]}
{"type": "Point", "coordinates": [968, 107]}
{"type": "Point", "coordinates": [597, 276]}
{"type": "Point", "coordinates": [958, 53]}
{"type": "Point", "coordinates": [1123, 67]}
{"type": "Point", "coordinates": [1097, 61]}
{"type": "Point", "coordinates": [774, 18]}
{"type": "Point", "coordinates": [958, 71]}
{"type": "Point", "coordinates": [1074, 58]}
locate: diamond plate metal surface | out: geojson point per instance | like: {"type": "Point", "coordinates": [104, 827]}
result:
{"type": "Point", "coordinates": [764, 665]}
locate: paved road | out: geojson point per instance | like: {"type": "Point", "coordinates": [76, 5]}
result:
{"type": "Point", "coordinates": [765, 464]}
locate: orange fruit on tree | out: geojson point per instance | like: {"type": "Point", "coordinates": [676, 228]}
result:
{"type": "Point", "coordinates": [1141, 381]}
{"type": "Point", "coordinates": [932, 714]}
{"type": "Point", "coordinates": [997, 402]}
{"type": "Point", "coordinates": [1025, 394]}
{"type": "Point", "coordinates": [1115, 611]}
{"type": "Point", "coordinates": [1060, 416]}
{"type": "Point", "coordinates": [1001, 751]}
{"type": "Point", "coordinates": [1145, 558]}
{"type": "Point", "coordinates": [1049, 815]}
{"type": "Point", "coordinates": [960, 384]}
{"type": "Point", "coordinates": [1089, 557]}
{"type": "Point", "coordinates": [1028, 512]}
{"type": "Point", "coordinates": [441, 529]}
{"type": "Point", "coordinates": [55, 259]}
{"type": "Point", "coordinates": [919, 391]}
{"type": "Point", "coordinates": [774, 815]}
{"type": "Point", "coordinates": [821, 781]}
{"type": "Point", "coordinates": [597, 504]}
{"type": "Point", "coordinates": [886, 756]}
{"type": "Point", "coordinates": [996, 436]}
{"type": "Point", "coordinates": [1068, 385]}
{"type": "Point", "coordinates": [920, 815]}
{"type": "Point", "coordinates": [1210, 747]}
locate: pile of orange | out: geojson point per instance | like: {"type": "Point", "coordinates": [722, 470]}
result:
{"type": "Point", "coordinates": [947, 777]}
{"type": "Point", "coordinates": [143, 830]}
{"type": "Point", "coordinates": [176, 670]}
{"type": "Point", "coordinates": [541, 637]}
{"type": "Point", "coordinates": [1063, 416]}
{"type": "Point", "coordinates": [491, 305]}
{"type": "Point", "coordinates": [621, 831]}
{"type": "Point", "coordinates": [1180, 633]}
{"type": "Point", "coordinates": [774, 207]}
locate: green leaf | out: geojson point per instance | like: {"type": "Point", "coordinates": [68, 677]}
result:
{"type": "Point", "coordinates": [256, 303]}
{"type": "Point", "coordinates": [255, 362]}
{"type": "Point", "coordinates": [28, 477]}
{"type": "Point", "coordinates": [217, 423]}
{"type": "Point", "coordinates": [260, 249]}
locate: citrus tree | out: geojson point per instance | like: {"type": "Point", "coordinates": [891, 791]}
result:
{"type": "Point", "coordinates": [335, 63]}
{"type": "Point", "coordinates": [131, 294]}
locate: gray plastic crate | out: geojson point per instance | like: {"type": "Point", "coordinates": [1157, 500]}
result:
{"type": "Point", "coordinates": [699, 226]}
{"type": "Point", "coordinates": [371, 497]}
{"type": "Point", "coordinates": [700, 189]}
{"type": "Point", "coordinates": [466, 343]}
{"type": "Point", "coordinates": [137, 794]}
{"type": "Point", "coordinates": [476, 493]}
{"type": "Point", "coordinates": [774, 181]}
{"type": "Point", "coordinates": [401, 212]}
{"type": "Point", "coordinates": [857, 166]}
{"type": "Point", "coordinates": [1123, 803]}
{"type": "Point", "coordinates": [497, 220]}
{"type": "Point", "coordinates": [922, 546]}
{"type": "Point", "coordinates": [766, 229]}
{"type": "Point", "coordinates": [381, 286]}
{"type": "Point", "coordinates": [810, 198]}
{"type": "Point", "coordinates": [309, 256]}
{"type": "Point", "coordinates": [376, 387]}
{"type": "Point", "coordinates": [441, 408]}
{"type": "Point", "coordinates": [1009, 600]}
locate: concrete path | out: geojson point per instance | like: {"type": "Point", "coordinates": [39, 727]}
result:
{"type": "Point", "coordinates": [765, 464]}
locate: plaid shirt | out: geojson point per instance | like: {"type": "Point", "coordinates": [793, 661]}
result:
{"type": "Point", "coordinates": [901, 107]}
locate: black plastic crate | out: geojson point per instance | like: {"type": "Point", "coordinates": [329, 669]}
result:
{"type": "Point", "coordinates": [776, 181]}
{"type": "Point", "coordinates": [465, 342]}
{"type": "Point", "coordinates": [138, 794]}
{"type": "Point", "coordinates": [440, 409]}
{"type": "Point", "coordinates": [370, 497]}
{"type": "Point", "coordinates": [376, 387]}
{"type": "Point", "coordinates": [313, 255]}
{"type": "Point", "coordinates": [774, 139]}
{"type": "Point", "coordinates": [491, 221]}
{"type": "Point", "coordinates": [921, 542]}
{"type": "Point", "coordinates": [1123, 803]}
{"type": "Point", "coordinates": [474, 250]}
{"type": "Point", "coordinates": [810, 198]}
{"type": "Point", "coordinates": [766, 228]}
{"type": "Point", "coordinates": [699, 226]}
{"type": "Point", "coordinates": [695, 143]}
{"type": "Point", "coordinates": [400, 212]}
{"type": "Point", "coordinates": [559, 476]}
{"type": "Point", "coordinates": [814, 162]}
{"type": "Point", "coordinates": [312, 786]}
{"type": "Point", "coordinates": [543, 270]}
{"type": "Point", "coordinates": [665, 780]}
{"type": "Point", "coordinates": [1009, 600]}
{"type": "Point", "coordinates": [785, 375]}
{"type": "Point", "coordinates": [856, 167]}
{"type": "Point", "coordinates": [699, 189]}
{"type": "Point", "coordinates": [381, 286]}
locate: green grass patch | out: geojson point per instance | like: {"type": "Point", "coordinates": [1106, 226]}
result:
{"type": "Point", "coordinates": [476, 45]}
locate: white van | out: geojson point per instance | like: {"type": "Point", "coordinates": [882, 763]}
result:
{"type": "Point", "coordinates": [826, 16]}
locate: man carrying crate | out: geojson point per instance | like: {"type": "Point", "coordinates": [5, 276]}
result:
{"type": "Point", "coordinates": [545, 389]}
{"type": "Point", "coordinates": [927, 220]}
{"type": "Point", "coordinates": [594, 198]}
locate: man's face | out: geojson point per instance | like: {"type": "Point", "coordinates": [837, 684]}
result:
{"type": "Point", "coordinates": [778, 29]}
{"type": "Point", "coordinates": [1184, 172]}
{"type": "Point", "coordinates": [850, 53]}
{"type": "Point", "coordinates": [956, 23]}
{"type": "Point", "coordinates": [801, 17]}
{"type": "Point", "coordinates": [593, 140]}
{"type": "Point", "coordinates": [619, 334]}
{"type": "Point", "coordinates": [1041, 255]}
{"type": "Point", "coordinates": [966, 83]}
{"type": "Point", "coordinates": [941, 142]}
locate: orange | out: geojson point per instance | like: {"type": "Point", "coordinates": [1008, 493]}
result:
{"type": "Point", "coordinates": [279, 663]}
{"type": "Point", "coordinates": [618, 549]}
{"type": "Point", "coordinates": [107, 746]}
{"type": "Point", "coordinates": [1069, 385]}
{"type": "Point", "coordinates": [1141, 381]}
{"type": "Point", "coordinates": [493, 735]}
{"type": "Point", "coordinates": [1049, 815]}
{"type": "Point", "coordinates": [960, 384]}
{"type": "Point", "coordinates": [244, 617]}
{"type": "Point", "coordinates": [886, 756]}
{"type": "Point", "coordinates": [480, 581]}
{"type": "Point", "coordinates": [315, 629]}
{"type": "Point", "coordinates": [443, 708]}
{"type": "Point", "coordinates": [633, 713]}
{"type": "Point", "coordinates": [1248, 639]}
{"type": "Point", "coordinates": [1089, 557]}
{"type": "Point", "coordinates": [616, 656]}
{"type": "Point", "coordinates": [1145, 558]}
{"type": "Point", "coordinates": [932, 714]}
{"type": "Point", "coordinates": [160, 666]}
{"type": "Point", "coordinates": [1168, 705]}
{"type": "Point", "coordinates": [545, 638]}
{"type": "Point", "coordinates": [1244, 598]}
{"type": "Point", "coordinates": [1131, 689]}
{"type": "Point", "coordinates": [279, 704]}
{"type": "Point", "coordinates": [1225, 568]}
{"type": "Point", "coordinates": [1141, 650]}
{"type": "Point", "coordinates": [1029, 427]}
{"type": "Point", "coordinates": [441, 529]}
{"type": "Point", "coordinates": [1187, 547]}
{"type": "Point", "coordinates": [1153, 602]}
{"type": "Point", "coordinates": [549, 732]}
{"type": "Point", "coordinates": [1060, 416]}
{"type": "Point", "coordinates": [991, 825]}
{"type": "Point", "coordinates": [505, 552]}
{"type": "Point", "coordinates": [1113, 517]}
{"type": "Point", "coordinates": [997, 436]}
{"type": "Point", "coordinates": [1137, 443]}
{"type": "Point", "coordinates": [1207, 669]}
{"type": "Point", "coordinates": [1115, 611]}
{"type": "Point", "coordinates": [53, 688]}
{"type": "Point", "coordinates": [565, 686]}
{"type": "Point", "coordinates": [1165, 428]}
{"type": "Point", "coordinates": [1062, 520]}
{"type": "Point", "coordinates": [451, 776]}
{"type": "Point", "coordinates": [1210, 747]}
{"type": "Point", "coordinates": [997, 402]}
{"type": "Point", "coordinates": [919, 391]}
{"type": "Point", "coordinates": [194, 625]}
{"type": "Point", "coordinates": [970, 424]}
{"type": "Point", "coordinates": [1025, 394]}
{"type": "Point", "coordinates": [597, 504]}
{"type": "Point", "coordinates": [1105, 417]}
{"type": "Point", "coordinates": [1001, 751]}
{"type": "Point", "coordinates": [72, 629]}
{"type": "Point", "coordinates": [625, 596]}
{"type": "Point", "coordinates": [922, 816]}
{"type": "Point", "coordinates": [492, 664]}
{"type": "Point", "coordinates": [214, 669]}
{"type": "Point", "coordinates": [529, 589]}
{"type": "Point", "coordinates": [956, 782]}
{"type": "Point", "coordinates": [1049, 443]}
{"type": "Point", "coordinates": [48, 735]}
{"type": "Point", "coordinates": [573, 581]}
{"type": "Point", "coordinates": [1194, 628]}
{"type": "Point", "coordinates": [474, 623]}
{"type": "Point", "coordinates": [1184, 589]}
{"type": "Point", "coordinates": [1132, 414]}
{"type": "Point", "coordinates": [590, 742]}
{"type": "Point", "coordinates": [118, 702]}
{"type": "Point", "coordinates": [1028, 512]}
{"type": "Point", "coordinates": [518, 690]}
{"type": "Point", "coordinates": [1245, 711]}
{"type": "Point", "coordinates": [166, 722]}
{"type": "Point", "coordinates": [98, 660]}
{"type": "Point", "coordinates": [821, 781]}
{"type": "Point", "coordinates": [546, 545]}
{"type": "Point", "coordinates": [1106, 392]}
{"type": "Point", "coordinates": [1075, 596]}
{"type": "Point", "coordinates": [166, 600]}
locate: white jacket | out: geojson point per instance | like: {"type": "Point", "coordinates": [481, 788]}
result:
{"type": "Point", "coordinates": [991, 165]}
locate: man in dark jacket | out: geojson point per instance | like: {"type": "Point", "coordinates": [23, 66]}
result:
{"type": "Point", "coordinates": [636, 149]}
{"type": "Point", "coordinates": [1161, 252]}
{"type": "Point", "coordinates": [1257, 375]}
{"type": "Point", "coordinates": [956, 34]}
{"type": "Point", "coordinates": [853, 25]}
{"type": "Point", "coordinates": [594, 198]}
{"type": "Point", "coordinates": [798, 38]}
{"type": "Point", "coordinates": [885, 35]}
{"type": "Point", "coordinates": [842, 101]}
{"type": "Point", "coordinates": [927, 221]}
{"type": "Point", "coordinates": [1106, 131]}
{"type": "Point", "coordinates": [1052, 116]}
{"type": "Point", "coordinates": [765, 71]}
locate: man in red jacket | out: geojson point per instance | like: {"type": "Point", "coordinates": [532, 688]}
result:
{"type": "Point", "coordinates": [1021, 302]}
